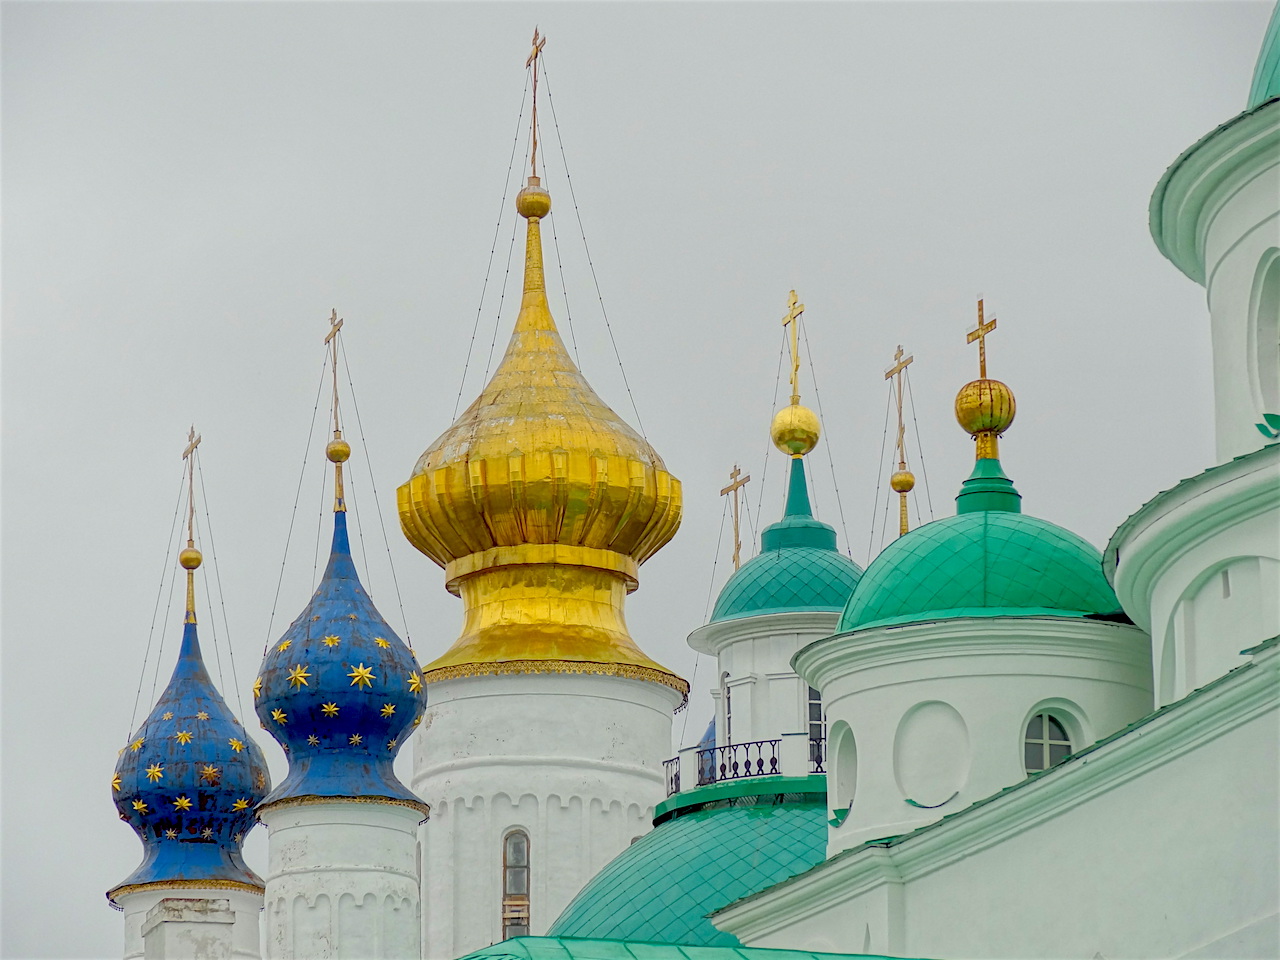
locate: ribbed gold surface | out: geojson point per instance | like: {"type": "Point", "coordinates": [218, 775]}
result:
{"type": "Point", "coordinates": [540, 461]}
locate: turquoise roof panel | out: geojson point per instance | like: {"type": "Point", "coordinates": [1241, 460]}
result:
{"type": "Point", "coordinates": [986, 563]}
{"type": "Point", "coordinates": [798, 567]}
{"type": "Point", "coordinates": [1266, 75]}
{"type": "Point", "coordinates": [662, 887]}
{"type": "Point", "coordinates": [577, 948]}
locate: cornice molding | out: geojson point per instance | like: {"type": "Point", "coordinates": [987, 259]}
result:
{"type": "Point", "coordinates": [1175, 730]}
{"type": "Point", "coordinates": [1203, 178]}
{"type": "Point", "coordinates": [1179, 519]}
{"type": "Point", "coordinates": [711, 638]}
{"type": "Point", "coordinates": [832, 657]}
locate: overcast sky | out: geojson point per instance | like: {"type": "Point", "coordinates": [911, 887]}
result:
{"type": "Point", "coordinates": [189, 189]}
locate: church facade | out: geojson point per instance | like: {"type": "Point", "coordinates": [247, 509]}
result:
{"type": "Point", "coordinates": [994, 741]}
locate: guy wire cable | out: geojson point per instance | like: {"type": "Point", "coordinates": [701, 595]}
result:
{"type": "Point", "coordinates": [924, 473]}
{"type": "Point", "coordinates": [875, 503]}
{"type": "Point", "coordinates": [813, 376]}
{"type": "Point", "coordinates": [208, 594]}
{"type": "Point", "coordinates": [684, 729]}
{"type": "Point", "coordinates": [217, 573]}
{"type": "Point", "coordinates": [773, 407]}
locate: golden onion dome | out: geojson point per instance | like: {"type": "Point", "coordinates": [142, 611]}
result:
{"type": "Point", "coordinates": [540, 502]}
{"type": "Point", "coordinates": [795, 430]}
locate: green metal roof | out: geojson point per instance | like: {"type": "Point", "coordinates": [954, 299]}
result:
{"type": "Point", "coordinates": [798, 567]}
{"type": "Point", "coordinates": [662, 887]}
{"type": "Point", "coordinates": [576, 948]}
{"type": "Point", "coordinates": [987, 561]}
{"type": "Point", "coordinates": [1266, 75]}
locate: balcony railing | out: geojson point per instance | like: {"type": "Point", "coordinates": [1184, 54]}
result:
{"type": "Point", "coordinates": [734, 761]}
{"type": "Point", "coordinates": [817, 755]}
{"type": "Point", "coordinates": [672, 769]}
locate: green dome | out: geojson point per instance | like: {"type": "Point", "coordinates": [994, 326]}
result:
{"type": "Point", "coordinates": [987, 561]}
{"type": "Point", "coordinates": [798, 566]}
{"type": "Point", "coordinates": [662, 887]}
{"type": "Point", "coordinates": [1266, 75]}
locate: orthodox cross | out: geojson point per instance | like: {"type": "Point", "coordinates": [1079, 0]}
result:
{"type": "Point", "coordinates": [792, 320]}
{"type": "Point", "coordinates": [538, 43]}
{"type": "Point", "coordinates": [330, 339]}
{"type": "Point", "coordinates": [736, 483]}
{"type": "Point", "coordinates": [894, 373]}
{"type": "Point", "coordinates": [193, 441]}
{"type": "Point", "coordinates": [980, 334]}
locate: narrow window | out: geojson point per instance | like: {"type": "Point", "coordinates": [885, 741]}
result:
{"type": "Point", "coordinates": [1226, 585]}
{"type": "Point", "coordinates": [515, 885]}
{"type": "Point", "coordinates": [817, 719]}
{"type": "Point", "coordinates": [728, 709]}
{"type": "Point", "coordinates": [1046, 743]}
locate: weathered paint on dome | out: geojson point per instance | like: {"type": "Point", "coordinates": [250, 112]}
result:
{"type": "Point", "coordinates": [1266, 75]}
{"type": "Point", "coordinates": [798, 566]}
{"type": "Point", "coordinates": [662, 887]}
{"type": "Point", "coordinates": [982, 564]}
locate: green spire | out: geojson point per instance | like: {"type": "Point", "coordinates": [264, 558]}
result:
{"type": "Point", "coordinates": [988, 489]}
{"type": "Point", "coordinates": [798, 528]}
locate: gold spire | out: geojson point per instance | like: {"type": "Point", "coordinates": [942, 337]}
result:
{"type": "Point", "coordinates": [736, 483]}
{"type": "Point", "coordinates": [985, 408]}
{"type": "Point", "coordinates": [795, 429]}
{"type": "Point", "coordinates": [190, 558]}
{"type": "Point", "coordinates": [540, 503]}
{"type": "Point", "coordinates": [903, 480]}
{"type": "Point", "coordinates": [338, 450]}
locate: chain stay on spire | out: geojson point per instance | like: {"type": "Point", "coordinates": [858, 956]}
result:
{"type": "Point", "coordinates": [736, 483]}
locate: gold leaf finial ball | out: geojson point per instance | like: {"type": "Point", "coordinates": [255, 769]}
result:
{"type": "Point", "coordinates": [985, 406]}
{"type": "Point", "coordinates": [338, 451]}
{"type": "Point", "coordinates": [190, 558]}
{"type": "Point", "coordinates": [795, 430]}
{"type": "Point", "coordinates": [902, 481]}
{"type": "Point", "coordinates": [533, 201]}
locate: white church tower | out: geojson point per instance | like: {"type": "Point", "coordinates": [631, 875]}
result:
{"type": "Point", "coordinates": [341, 692]}
{"type": "Point", "coordinates": [542, 747]}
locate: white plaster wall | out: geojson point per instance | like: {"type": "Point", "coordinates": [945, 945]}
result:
{"type": "Point", "coordinates": [247, 907]}
{"type": "Point", "coordinates": [937, 712]}
{"type": "Point", "coordinates": [1162, 843]}
{"type": "Point", "coordinates": [769, 698]}
{"type": "Point", "coordinates": [573, 760]}
{"type": "Point", "coordinates": [1242, 235]}
{"type": "Point", "coordinates": [342, 881]}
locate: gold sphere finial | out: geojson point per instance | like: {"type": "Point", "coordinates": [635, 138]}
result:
{"type": "Point", "coordinates": [985, 406]}
{"type": "Point", "coordinates": [190, 558]}
{"type": "Point", "coordinates": [795, 430]}
{"type": "Point", "coordinates": [338, 450]}
{"type": "Point", "coordinates": [903, 481]}
{"type": "Point", "coordinates": [533, 202]}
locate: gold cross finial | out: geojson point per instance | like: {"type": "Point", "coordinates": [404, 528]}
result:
{"type": "Point", "coordinates": [534, 56]}
{"type": "Point", "coordinates": [338, 449]}
{"type": "Point", "coordinates": [736, 483]}
{"type": "Point", "coordinates": [980, 334]}
{"type": "Point", "coordinates": [335, 324]}
{"type": "Point", "coordinates": [792, 320]}
{"type": "Point", "coordinates": [902, 481]}
{"type": "Point", "coordinates": [192, 442]}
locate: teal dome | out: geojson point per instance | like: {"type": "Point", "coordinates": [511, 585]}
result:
{"type": "Point", "coordinates": [661, 888]}
{"type": "Point", "coordinates": [989, 560]}
{"type": "Point", "coordinates": [798, 566]}
{"type": "Point", "coordinates": [1266, 75]}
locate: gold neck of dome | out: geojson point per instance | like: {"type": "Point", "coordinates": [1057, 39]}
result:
{"type": "Point", "coordinates": [540, 502]}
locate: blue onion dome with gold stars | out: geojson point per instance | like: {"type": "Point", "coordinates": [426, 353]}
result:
{"type": "Point", "coordinates": [799, 567]}
{"type": "Point", "coordinates": [340, 691]}
{"type": "Point", "coordinates": [189, 779]}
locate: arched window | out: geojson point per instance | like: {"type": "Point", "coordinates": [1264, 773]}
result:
{"type": "Point", "coordinates": [1046, 743]}
{"type": "Point", "coordinates": [817, 732]}
{"type": "Point", "coordinates": [515, 885]}
{"type": "Point", "coordinates": [728, 708]}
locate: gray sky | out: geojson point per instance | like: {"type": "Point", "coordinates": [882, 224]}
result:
{"type": "Point", "coordinates": [188, 189]}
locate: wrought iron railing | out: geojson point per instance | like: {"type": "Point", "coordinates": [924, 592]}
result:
{"type": "Point", "coordinates": [817, 754]}
{"type": "Point", "coordinates": [733, 761]}
{"type": "Point", "coordinates": [672, 769]}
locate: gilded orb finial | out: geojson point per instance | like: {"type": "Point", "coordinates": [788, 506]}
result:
{"type": "Point", "coordinates": [902, 481]}
{"type": "Point", "coordinates": [533, 202]}
{"type": "Point", "coordinates": [338, 451]}
{"type": "Point", "coordinates": [985, 408]}
{"type": "Point", "coordinates": [795, 430]}
{"type": "Point", "coordinates": [190, 558]}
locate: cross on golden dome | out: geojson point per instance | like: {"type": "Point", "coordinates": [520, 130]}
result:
{"type": "Point", "coordinates": [902, 480]}
{"type": "Point", "coordinates": [980, 334]}
{"type": "Point", "coordinates": [736, 482]}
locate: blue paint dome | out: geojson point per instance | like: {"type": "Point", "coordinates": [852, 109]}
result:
{"type": "Point", "coordinates": [188, 782]}
{"type": "Point", "coordinates": [340, 691]}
